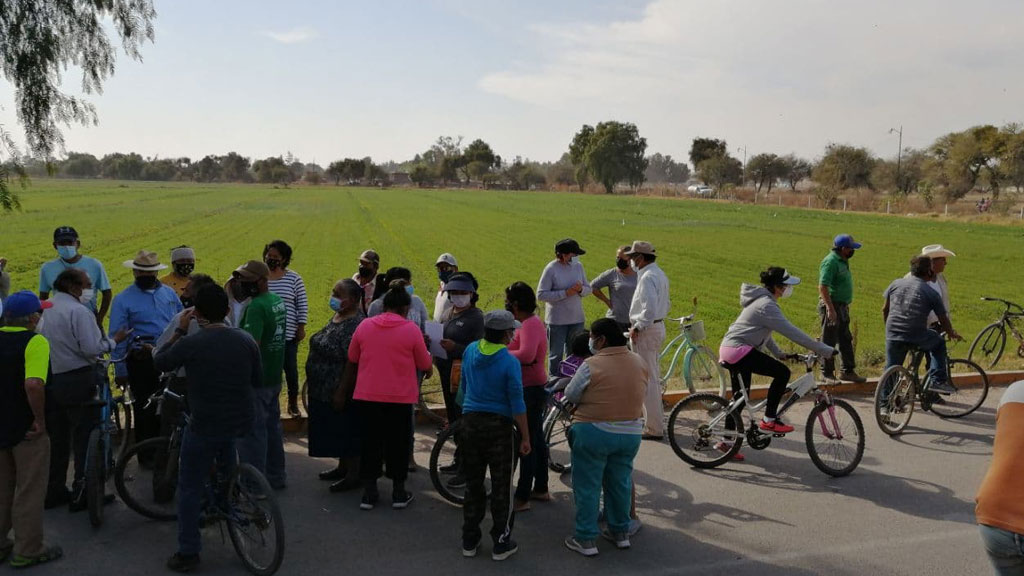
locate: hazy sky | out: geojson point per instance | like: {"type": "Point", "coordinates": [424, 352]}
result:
{"type": "Point", "coordinates": [328, 79]}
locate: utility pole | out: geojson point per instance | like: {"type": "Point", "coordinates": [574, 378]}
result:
{"type": "Point", "coordinates": [899, 154]}
{"type": "Point", "coordinates": [744, 150]}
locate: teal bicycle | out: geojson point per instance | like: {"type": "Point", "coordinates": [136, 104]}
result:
{"type": "Point", "coordinates": [692, 361]}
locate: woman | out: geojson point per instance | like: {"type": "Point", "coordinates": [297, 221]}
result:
{"type": "Point", "coordinates": [417, 311]}
{"type": "Point", "coordinates": [999, 513]}
{"type": "Point", "coordinates": [608, 391]}
{"type": "Point", "coordinates": [289, 287]}
{"type": "Point", "coordinates": [334, 434]}
{"type": "Point", "coordinates": [529, 346]}
{"type": "Point", "coordinates": [387, 351]}
{"type": "Point", "coordinates": [740, 349]}
{"type": "Point", "coordinates": [465, 325]}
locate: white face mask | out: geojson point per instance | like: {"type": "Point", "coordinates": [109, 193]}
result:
{"type": "Point", "coordinates": [632, 264]}
{"type": "Point", "coordinates": [461, 300]}
{"type": "Point", "coordinates": [787, 292]}
{"type": "Point", "coordinates": [87, 295]}
{"type": "Point", "coordinates": [574, 260]}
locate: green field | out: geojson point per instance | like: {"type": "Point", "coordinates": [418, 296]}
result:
{"type": "Point", "coordinates": [707, 248]}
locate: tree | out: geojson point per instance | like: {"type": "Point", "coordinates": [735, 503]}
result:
{"type": "Point", "coordinates": [208, 169]}
{"type": "Point", "coordinates": [273, 170]}
{"type": "Point", "coordinates": [793, 170]}
{"type": "Point", "coordinates": [962, 160]}
{"type": "Point", "coordinates": [336, 171]}
{"type": "Point", "coordinates": [705, 148]}
{"type": "Point", "coordinates": [79, 165]}
{"type": "Point", "coordinates": [234, 167]}
{"type": "Point", "coordinates": [663, 169]}
{"type": "Point", "coordinates": [610, 153]}
{"type": "Point", "coordinates": [577, 154]}
{"type": "Point", "coordinates": [720, 170]}
{"type": "Point", "coordinates": [561, 172]}
{"type": "Point", "coordinates": [844, 167]}
{"type": "Point", "coordinates": [158, 170]}
{"type": "Point", "coordinates": [122, 166]}
{"type": "Point", "coordinates": [478, 159]}
{"type": "Point", "coordinates": [312, 177]}
{"type": "Point", "coordinates": [1012, 161]}
{"type": "Point", "coordinates": [421, 174]}
{"type": "Point", "coordinates": [765, 169]}
{"type": "Point", "coordinates": [39, 39]}
{"type": "Point", "coordinates": [903, 176]}
{"type": "Point", "coordinates": [523, 174]}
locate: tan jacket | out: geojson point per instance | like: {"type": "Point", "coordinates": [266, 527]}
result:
{"type": "Point", "coordinates": [615, 393]}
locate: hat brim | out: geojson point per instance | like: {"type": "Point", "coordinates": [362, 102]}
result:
{"type": "Point", "coordinates": [791, 281]}
{"type": "Point", "coordinates": [939, 254]}
{"type": "Point", "coordinates": [155, 268]}
{"type": "Point", "coordinates": [460, 286]}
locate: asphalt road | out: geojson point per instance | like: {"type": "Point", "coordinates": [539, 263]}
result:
{"type": "Point", "coordinates": [908, 509]}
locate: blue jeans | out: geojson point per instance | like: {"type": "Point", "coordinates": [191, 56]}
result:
{"type": "Point", "coordinates": [1005, 550]}
{"type": "Point", "coordinates": [601, 459]}
{"type": "Point", "coordinates": [198, 454]}
{"type": "Point", "coordinates": [559, 344]}
{"type": "Point", "coordinates": [896, 352]}
{"type": "Point", "coordinates": [263, 446]}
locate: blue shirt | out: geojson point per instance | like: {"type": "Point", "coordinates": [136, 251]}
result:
{"type": "Point", "coordinates": [147, 312]}
{"type": "Point", "coordinates": [50, 270]}
{"type": "Point", "coordinates": [491, 383]}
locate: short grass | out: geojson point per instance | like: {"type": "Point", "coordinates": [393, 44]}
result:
{"type": "Point", "coordinates": [707, 248]}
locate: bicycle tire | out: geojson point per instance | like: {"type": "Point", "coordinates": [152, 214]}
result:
{"type": "Point", "coordinates": [95, 477]}
{"type": "Point", "coordinates": [899, 405]}
{"type": "Point", "coordinates": [836, 446]}
{"type": "Point", "coordinates": [131, 481]}
{"type": "Point", "coordinates": [556, 428]}
{"type": "Point", "coordinates": [123, 416]}
{"type": "Point", "coordinates": [252, 503]}
{"type": "Point", "coordinates": [986, 351]}
{"type": "Point", "coordinates": [695, 438]}
{"type": "Point", "coordinates": [701, 370]}
{"type": "Point", "coordinates": [426, 410]}
{"type": "Point", "coordinates": [968, 397]}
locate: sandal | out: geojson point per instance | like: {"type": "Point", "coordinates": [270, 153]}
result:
{"type": "Point", "coordinates": [49, 554]}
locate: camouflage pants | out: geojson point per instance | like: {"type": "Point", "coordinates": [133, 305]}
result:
{"type": "Point", "coordinates": [487, 441]}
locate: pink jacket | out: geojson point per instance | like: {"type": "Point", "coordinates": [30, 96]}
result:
{"type": "Point", "coordinates": [530, 347]}
{"type": "Point", "coordinates": [389, 350]}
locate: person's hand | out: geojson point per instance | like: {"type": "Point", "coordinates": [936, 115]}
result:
{"type": "Point", "coordinates": [37, 429]}
{"type": "Point", "coordinates": [429, 373]}
{"type": "Point", "coordinates": [300, 332]}
{"type": "Point", "coordinates": [448, 345]}
{"type": "Point", "coordinates": [524, 446]}
{"type": "Point", "coordinates": [122, 334]}
{"type": "Point", "coordinates": [634, 333]}
{"type": "Point", "coordinates": [426, 340]}
{"type": "Point", "coordinates": [148, 348]}
{"type": "Point", "coordinates": [954, 335]}
{"type": "Point", "coordinates": [576, 288]}
{"type": "Point", "coordinates": [186, 319]}
{"type": "Point", "coordinates": [831, 316]}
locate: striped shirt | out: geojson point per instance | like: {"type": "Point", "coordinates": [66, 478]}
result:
{"type": "Point", "coordinates": [292, 291]}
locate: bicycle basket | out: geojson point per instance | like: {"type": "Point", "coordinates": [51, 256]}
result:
{"type": "Point", "coordinates": [694, 330]}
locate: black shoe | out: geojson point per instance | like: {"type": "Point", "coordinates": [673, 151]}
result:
{"type": "Point", "coordinates": [183, 562]}
{"type": "Point", "coordinates": [344, 485]}
{"type": "Point", "coordinates": [336, 473]}
{"type": "Point", "coordinates": [55, 499]}
{"type": "Point", "coordinates": [293, 407]}
{"type": "Point", "coordinates": [450, 468]}
{"type": "Point", "coordinates": [369, 500]}
{"type": "Point", "coordinates": [469, 549]}
{"type": "Point", "coordinates": [401, 499]}
{"type": "Point", "coordinates": [457, 481]}
{"type": "Point", "coordinates": [503, 550]}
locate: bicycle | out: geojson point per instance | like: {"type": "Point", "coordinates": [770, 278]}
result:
{"type": "Point", "coordinates": [250, 509]}
{"type": "Point", "coordinates": [101, 453]}
{"type": "Point", "coordinates": [557, 420]}
{"type": "Point", "coordinates": [991, 341]}
{"type": "Point", "coordinates": [443, 464]}
{"type": "Point", "coordinates": [706, 431]}
{"type": "Point", "coordinates": [421, 405]}
{"type": "Point", "coordinates": [699, 369]}
{"type": "Point", "coordinates": [905, 386]}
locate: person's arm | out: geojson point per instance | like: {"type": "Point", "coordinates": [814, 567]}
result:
{"type": "Point", "coordinates": [545, 287]}
{"type": "Point", "coordinates": [578, 384]}
{"type": "Point", "coordinates": [947, 326]}
{"type": "Point", "coordinates": [37, 366]}
{"type": "Point", "coordinates": [256, 361]}
{"type": "Point", "coordinates": [514, 397]}
{"type": "Point", "coordinates": [91, 340]}
{"type": "Point", "coordinates": [44, 284]}
{"type": "Point", "coordinates": [585, 289]}
{"type": "Point", "coordinates": [775, 320]}
{"type": "Point", "coordinates": [643, 317]}
{"type": "Point", "coordinates": [885, 309]}
{"type": "Point", "coordinates": [301, 310]}
{"type": "Point", "coordinates": [602, 281]}
{"type": "Point", "coordinates": [102, 285]}
{"type": "Point", "coordinates": [171, 357]}
{"type": "Point", "coordinates": [524, 428]}
{"type": "Point", "coordinates": [424, 361]}
{"type": "Point", "coordinates": [773, 347]}
{"type": "Point", "coordinates": [119, 320]}
{"type": "Point", "coordinates": [824, 281]}
{"type": "Point", "coordinates": [346, 386]}
{"type": "Point", "coordinates": [526, 351]}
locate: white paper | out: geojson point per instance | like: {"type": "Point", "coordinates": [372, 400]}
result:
{"type": "Point", "coordinates": [435, 331]}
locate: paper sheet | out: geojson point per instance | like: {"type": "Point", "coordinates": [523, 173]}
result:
{"type": "Point", "coordinates": [435, 331]}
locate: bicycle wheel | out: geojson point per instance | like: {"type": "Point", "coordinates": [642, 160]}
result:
{"type": "Point", "coordinates": [835, 437]}
{"type": "Point", "coordinates": [556, 427]}
{"type": "Point", "coordinates": [144, 487]}
{"type": "Point", "coordinates": [971, 384]}
{"type": "Point", "coordinates": [254, 521]}
{"type": "Point", "coordinates": [95, 477]}
{"type": "Point", "coordinates": [988, 345]}
{"type": "Point", "coordinates": [893, 413]}
{"type": "Point", "coordinates": [702, 372]}
{"type": "Point", "coordinates": [123, 421]}
{"type": "Point", "coordinates": [424, 409]}
{"type": "Point", "coordinates": [695, 439]}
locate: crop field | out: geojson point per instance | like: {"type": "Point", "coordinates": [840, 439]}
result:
{"type": "Point", "coordinates": [707, 248]}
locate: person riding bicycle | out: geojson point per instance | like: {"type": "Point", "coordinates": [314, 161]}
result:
{"type": "Point", "coordinates": [740, 349]}
{"type": "Point", "coordinates": [908, 302]}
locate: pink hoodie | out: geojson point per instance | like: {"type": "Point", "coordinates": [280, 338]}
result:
{"type": "Point", "coordinates": [389, 350]}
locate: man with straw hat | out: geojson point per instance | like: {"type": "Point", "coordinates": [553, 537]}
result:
{"type": "Point", "coordinates": [939, 255]}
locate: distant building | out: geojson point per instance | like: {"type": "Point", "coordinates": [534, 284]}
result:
{"type": "Point", "coordinates": [400, 179]}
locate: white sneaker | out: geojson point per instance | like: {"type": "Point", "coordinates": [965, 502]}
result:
{"type": "Point", "coordinates": [587, 548]}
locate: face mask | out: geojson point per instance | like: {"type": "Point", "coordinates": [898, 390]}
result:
{"type": "Point", "coordinates": [632, 264]}
{"type": "Point", "coordinates": [250, 289]}
{"type": "Point", "coordinates": [409, 289]}
{"type": "Point", "coordinates": [187, 302]}
{"type": "Point", "coordinates": [444, 275]}
{"type": "Point", "coordinates": [365, 272]}
{"type": "Point", "coordinates": [335, 304]}
{"type": "Point", "coordinates": [67, 252]}
{"type": "Point", "coordinates": [850, 254]}
{"type": "Point", "coordinates": [237, 291]}
{"type": "Point", "coordinates": [184, 269]}
{"type": "Point", "coordinates": [621, 264]}
{"type": "Point", "coordinates": [460, 301]}
{"type": "Point", "coordinates": [787, 292]}
{"type": "Point", "coordinates": [272, 263]}
{"type": "Point", "coordinates": [509, 307]}
{"type": "Point", "coordinates": [87, 295]}
{"type": "Point", "coordinates": [593, 349]}
{"type": "Point", "coordinates": [146, 282]}
{"type": "Point", "coordinates": [574, 260]}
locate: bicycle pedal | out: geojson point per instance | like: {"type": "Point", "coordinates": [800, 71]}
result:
{"type": "Point", "coordinates": [775, 435]}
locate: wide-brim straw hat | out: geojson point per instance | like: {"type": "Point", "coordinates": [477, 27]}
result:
{"type": "Point", "coordinates": [145, 261]}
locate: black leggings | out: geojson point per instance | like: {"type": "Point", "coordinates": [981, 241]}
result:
{"type": "Point", "coordinates": [757, 362]}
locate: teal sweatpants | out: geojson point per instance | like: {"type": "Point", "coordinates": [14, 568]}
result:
{"type": "Point", "coordinates": [601, 459]}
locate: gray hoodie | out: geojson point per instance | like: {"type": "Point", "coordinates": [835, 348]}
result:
{"type": "Point", "coordinates": [761, 316]}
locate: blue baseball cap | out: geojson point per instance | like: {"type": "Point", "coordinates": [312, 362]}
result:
{"type": "Point", "coordinates": [846, 241]}
{"type": "Point", "coordinates": [24, 303]}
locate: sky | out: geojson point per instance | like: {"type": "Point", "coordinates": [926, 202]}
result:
{"type": "Point", "coordinates": [327, 79]}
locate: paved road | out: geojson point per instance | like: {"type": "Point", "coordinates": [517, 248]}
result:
{"type": "Point", "coordinates": [908, 509]}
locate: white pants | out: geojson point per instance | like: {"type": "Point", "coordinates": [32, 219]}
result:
{"type": "Point", "coordinates": [648, 345]}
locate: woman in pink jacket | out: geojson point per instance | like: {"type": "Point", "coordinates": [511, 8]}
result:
{"type": "Point", "coordinates": [388, 350]}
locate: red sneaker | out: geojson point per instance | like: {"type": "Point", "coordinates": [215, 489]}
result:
{"type": "Point", "coordinates": [725, 447]}
{"type": "Point", "coordinates": [776, 427]}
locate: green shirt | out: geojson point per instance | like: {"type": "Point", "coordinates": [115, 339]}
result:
{"type": "Point", "coordinates": [835, 274]}
{"type": "Point", "coordinates": [264, 320]}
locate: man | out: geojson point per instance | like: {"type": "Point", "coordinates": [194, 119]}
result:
{"type": "Point", "coordinates": [835, 288]}
{"type": "Point", "coordinates": [446, 266]}
{"type": "Point", "coordinates": [5, 279]}
{"type": "Point", "coordinates": [75, 343]}
{"type": "Point", "coordinates": [223, 367]}
{"type": "Point", "coordinates": [369, 263]}
{"type": "Point", "coordinates": [621, 284]}
{"type": "Point", "coordinates": [647, 312]}
{"type": "Point", "coordinates": [183, 263]}
{"type": "Point", "coordinates": [65, 241]}
{"type": "Point", "coordinates": [908, 301]}
{"type": "Point", "coordinates": [939, 256]}
{"type": "Point", "coordinates": [561, 288]}
{"type": "Point", "coordinates": [491, 387]}
{"type": "Point", "coordinates": [264, 320]}
{"type": "Point", "coordinates": [146, 307]}
{"type": "Point", "coordinates": [24, 446]}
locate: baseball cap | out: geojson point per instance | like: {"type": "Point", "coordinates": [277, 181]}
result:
{"type": "Point", "coordinates": [846, 241]}
{"type": "Point", "coordinates": [778, 276]}
{"type": "Point", "coordinates": [251, 271]}
{"type": "Point", "coordinates": [499, 320]}
{"type": "Point", "coordinates": [569, 246]}
{"type": "Point", "coordinates": [65, 233]}
{"type": "Point", "coordinates": [370, 256]}
{"type": "Point", "coordinates": [641, 247]}
{"type": "Point", "coordinates": [24, 303]}
{"type": "Point", "coordinates": [446, 258]}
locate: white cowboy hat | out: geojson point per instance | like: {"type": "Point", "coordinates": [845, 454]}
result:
{"type": "Point", "coordinates": [145, 261]}
{"type": "Point", "coordinates": [936, 251]}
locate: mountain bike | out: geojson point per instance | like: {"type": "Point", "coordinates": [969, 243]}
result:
{"type": "Point", "coordinates": [242, 500]}
{"type": "Point", "coordinates": [990, 343]}
{"type": "Point", "coordinates": [904, 387]}
{"type": "Point", "coordinates": [699, 368]}
{"type": "Point", "coordinates": [107, 441]}
{"type": "Point", "coordinates": [706, 430]}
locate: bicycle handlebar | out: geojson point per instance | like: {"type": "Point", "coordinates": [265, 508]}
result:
{"type": "Point", "coordinates": [1009, 305]}
{"type": "Point", "coordinates": [684, 319]}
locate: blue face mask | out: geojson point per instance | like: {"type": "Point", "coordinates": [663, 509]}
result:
{"type": "Point", "coordinates": [335, 304]}
{"type": "Point", "coordinates": [67, 252]}
{"type": "Point", "coordinates": [409, 289]}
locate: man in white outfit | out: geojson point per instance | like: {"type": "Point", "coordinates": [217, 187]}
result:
{"type": "Point", "coordinates": [647, 314]}
{"type": "Point", "coordinates": [939, 255]}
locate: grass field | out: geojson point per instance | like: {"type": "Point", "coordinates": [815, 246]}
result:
{"type": "Point", "coordinates": [706, 248]}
